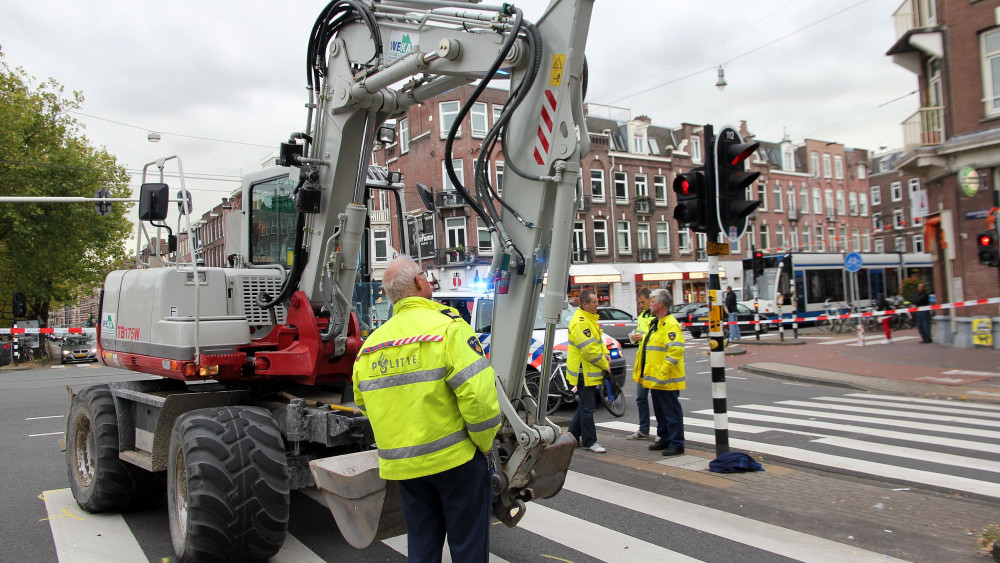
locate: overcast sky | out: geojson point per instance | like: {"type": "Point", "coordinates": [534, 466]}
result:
{"type": "Point", "coordinates": [235, 71]}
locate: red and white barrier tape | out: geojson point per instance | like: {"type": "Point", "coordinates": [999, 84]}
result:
{"type": "Point", "coordinates": [70, 330]}
{"type": "Point", "coordinates": [955, 305]}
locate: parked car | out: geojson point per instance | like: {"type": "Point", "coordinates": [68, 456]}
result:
{"type": "Point", "coordinates": [616, 323]}
{"type": "Point", "coordinates": [681, 310]}
{"type": "Point", "coordinates": [6, 351]}
{"type": "Point", "coordinates": [78, 349]}
{"type": "Point", "coordinates": [700, 315]}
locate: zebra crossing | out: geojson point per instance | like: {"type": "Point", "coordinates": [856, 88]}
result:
{"type": "Point", "coordinates": [944, 445]}
{"type": "Point", "coordinates": [549, 529]}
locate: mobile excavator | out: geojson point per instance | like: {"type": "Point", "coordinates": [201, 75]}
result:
{"type": "Point", "coordinates": [246, 393]}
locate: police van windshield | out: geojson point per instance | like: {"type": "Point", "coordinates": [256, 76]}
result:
{"type": "Point", "coordinates": [565, 317]}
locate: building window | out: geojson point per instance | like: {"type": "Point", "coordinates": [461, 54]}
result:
{"type": "Point", "coordinates": [841, 204]}
{"type": "Point", "coordinates": [896, 191]}
{"type": "Point", "coordinates": [660, 189]}
{"type": "Point", "coordinates": [866, 241]}
{"type": "Point", "coordinates": [380, 245]}
{"type": "Point", "coordinates": [624, 238]}
{"type": "Point", "coordinates": [806, 239]}
{"type": "Point", "coordinates": [852, 202]}
{"type": "Point", "coordinates": [788, 158]}
{"type": "Point", "coordinates": [684, 241]}
{"type": "Point", "coordinates": [918, 243]}
{"type": "Point", "coordinates": [579, 240]}
{"type": "Point", "coordinates": [897, 219]}
{"type": "Point", "coordinates": [404, 135]}
{"type": "Point", "coordinates": [446, 179]}
{"type": "Point", "coordinates": [862, 172]}
{"type": "Point", "coordinates": [448, 111]}
{"type": "Point", "coordinates": [814, 163]}
{"type": "Point", "coordinates": [497, 111]}
{"type": "Point", "coordinates": [663, 237]}
{"type": "Point", "coordinates": [877, 222]}
{"type": "Point", "coordinates": [991, 71]}
{"type": "Point", "coordinates": [600, 236]}
{"type": "Point", "coordinates": [762, 196]}
{"type": "Point", "coordinates": [597, 185]}
{"type": "Point", "coordinates": [826, 166]}
{"type": "Point", "coordinates": [831, 236]}
{"type": "Point", "coordinates": [863, 204]}
{"type": "Point", "coordinates": [900, 244]}
{"type": "Point", "coordinates": [876, 195]}
{"type": "Point", "coordinates": [478, 119]}
{"type": "Point", "coordinates": [702, 245]}
{"type": "Point", "coordinates": [499, 184]}
{"type": "Point", "coordinates": [641, 189]}
{"type": "Point", "coordinates": [455, 231]}
{"type": "Point", "coordinates": [828, 200]}
{"type": "Point", "coordinates": [638, 144]}
{"type": "Point", "coordinates": [642, 238]}
{"type": "Point", "coordinates": [913, 186]}
{"type": "Point", "coordinates": [779, 236]}
{"type": "Point", "coordinates": [695, 149]}
{"type": "Point", "coordinates": [621, 187]}
{"type": "Point", "coordinates": [820, 242]}
{"type": "Point", "coordinates": [485, 241]}
{"type": "Point", "coordinates": [765, 238]}
{"type": "Point", "coordinates": [817, 201]}
{"type": "Point", "coordinates": [855, 239]}
{"type": "Point", "coordinates": [879, 246]}
{"type": "Point", "coordinates": [778, 199]}
{"type": "Point", "coordinates": [838, 167]}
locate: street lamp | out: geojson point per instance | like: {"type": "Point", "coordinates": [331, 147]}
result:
{"type": "Point", "coordinates": [153, 137]}
{"type": "Point", "coordinates": [721, 83]}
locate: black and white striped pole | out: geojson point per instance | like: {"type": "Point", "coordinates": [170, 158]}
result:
{"type": "Point", "coordinates": [717, 353]}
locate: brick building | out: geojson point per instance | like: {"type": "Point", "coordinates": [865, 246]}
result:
{"type": "Point", "coordinates": [952, 142]}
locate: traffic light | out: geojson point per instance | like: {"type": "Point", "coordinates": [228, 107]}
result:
{"type": "Point", "coordinates": [693, 200]}
{"type": "Point", "coordinates": [758, 264]}
{"type": "Point", "coordinates": [987, 243]}
{"type": "Point", "coordinates": [20, 305]}
{"type": "Point", "coordinates": [732, 181]}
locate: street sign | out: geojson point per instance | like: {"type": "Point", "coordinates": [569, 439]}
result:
{"type": "Point", "coordinates": [853, 262]}
{"type": "Point", "coordinates": [103, 207]}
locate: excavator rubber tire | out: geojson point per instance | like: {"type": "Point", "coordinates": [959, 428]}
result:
{"type": "Point", "coordinates": [227, 485]}
{"type": "Point", "coordinates": [100, 481]}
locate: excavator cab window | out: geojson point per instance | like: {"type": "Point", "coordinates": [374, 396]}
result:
{"type": "Point", "coordinates": [272, 222]}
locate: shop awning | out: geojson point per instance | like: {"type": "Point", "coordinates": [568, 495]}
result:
{"type": "Point", "coordinates": [658, 272]}
{"type": "Point", "coordinates": [593, 273]}
{"type": "Point", "coordinates": [697, 270]}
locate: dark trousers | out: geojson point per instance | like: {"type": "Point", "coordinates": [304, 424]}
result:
{"type": "Point", "coordinates": [456, 502]}
{"type": "Point", "coordinates": [642, 405]}
{"type": "Point", "coordinates": [582, 425]}
{"type": "Point", "coordinates": [669, 418]}
{"type": "Point", "coordinates": [924, 325]}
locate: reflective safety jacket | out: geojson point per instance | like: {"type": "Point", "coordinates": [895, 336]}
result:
{"type": "Point", "coordinates": [645, 317]}
{"type": "Point", "coordinates": [428, 390]}
{"type": "Point", "coordinates": [587, 353]}
{"type": "Point", "coordinates": [659, 363]}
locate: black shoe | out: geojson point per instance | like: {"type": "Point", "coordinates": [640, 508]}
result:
{"type": "Point", "coordinates": [673, 451]}
{"type": "Point", "coordinates": [657, 446]}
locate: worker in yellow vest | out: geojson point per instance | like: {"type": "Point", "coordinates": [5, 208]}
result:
{"type": "Point", "coordinates": [659, 366]}
{"type": "Point", "coordinates": [587, 360]}
{"type": "Point", "coordinates": [642, 393]}
{"type": "Point", "coordinates": [430, 394]}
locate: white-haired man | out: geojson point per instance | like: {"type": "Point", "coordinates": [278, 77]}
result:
{"type": "Point", "coordinates": [659, 366]}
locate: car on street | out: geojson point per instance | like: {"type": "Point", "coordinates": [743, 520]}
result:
{"type": "Point", "coordinates": [699, 315]}
{"type": "Point", "coordinates": [680, 311]}
{"type": "Point", "coordinates": [6, 352]}
{"type": "Point", "coordinates": [78, 349]}
{"type": "Point", "coordinates": [616, 323]}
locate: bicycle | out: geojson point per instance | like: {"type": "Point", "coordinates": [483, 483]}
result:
{"type": "Point", "coordinates": [560, 392]}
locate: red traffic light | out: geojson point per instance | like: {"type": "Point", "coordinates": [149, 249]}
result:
{"type": "Point", "coordinates": [685, 187]}
{"type": "Point", "coordinates": [985, 240]}
{"type": "Point", "coordinates": [758, 255]}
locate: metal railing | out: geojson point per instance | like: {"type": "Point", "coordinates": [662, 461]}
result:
{"type": "Point", "coordinates": [642, 205]}
{"type": "Point", "coordinates": [924, 128]}
{"type": "Point", "coordinates": [379, 216]}
{"type": "Point", "coordinates": [910, 15]}
{"type": "Point", "coordinates": [448, 199]}
{"type": "Point", "coordinates": [646, 255]}
{"type": "Point", "coordinates": [793, 214]}
{"type": "Point", "coordinates": [582, 255]}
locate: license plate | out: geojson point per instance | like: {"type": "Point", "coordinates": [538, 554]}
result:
{"type": "Point", "coordinates": [81, 355]}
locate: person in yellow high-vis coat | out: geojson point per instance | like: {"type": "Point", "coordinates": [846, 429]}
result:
{"type": "Point", "coordinates": [430, 394]}
{"type": "Point", "coordinates": [642, 393]}
{"type": "Point", "coordinates": [659, 367]}
{"type": "Point", "coordinates": [587, 360]}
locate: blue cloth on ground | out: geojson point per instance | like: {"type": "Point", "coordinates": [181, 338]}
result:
{"type": "Point", "coordinates": [734, 462]}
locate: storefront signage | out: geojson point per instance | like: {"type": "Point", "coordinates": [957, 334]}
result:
{"type": "Point", "coordinates": [667, 276]}
{"type": "Point", "coordinates": [607, 278]}
{"type": "Point", "coordinates": [968, 180]}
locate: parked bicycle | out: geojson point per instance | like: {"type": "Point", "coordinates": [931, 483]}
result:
{"type": "Point", "coordinates": [561, 392]}
{"type": "Point", "coordinates": [902, 319]}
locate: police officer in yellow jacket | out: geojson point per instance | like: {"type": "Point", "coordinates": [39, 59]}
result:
{"type": "Point", "coordinates": [642, 393]}
{"type": "Point", "coordinates": [586, 363]}
{"type": "Point", "coordinates": [659, 367]}
{"type": "Point", "coordinates": [430, 395]}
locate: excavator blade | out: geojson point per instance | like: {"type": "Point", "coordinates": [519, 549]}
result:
{"type": "Point", "coordinates": [551, 467]}
{"type": "Point", "coordinates": [367, 508]}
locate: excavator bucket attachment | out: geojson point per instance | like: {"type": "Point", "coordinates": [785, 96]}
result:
{"type": "Point", "coordinates": [551, 467]}
{"type": "Point", "coordinates": [366, 507]}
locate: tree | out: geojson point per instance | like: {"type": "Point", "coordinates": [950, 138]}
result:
{"type": "Point", "coordinates": [53, 252]}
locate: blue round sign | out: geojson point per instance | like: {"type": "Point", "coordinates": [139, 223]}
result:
{"type": "Point", "coordinates": [853, 262]}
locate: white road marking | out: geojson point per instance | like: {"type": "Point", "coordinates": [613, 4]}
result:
{"type": "Point", "coordinates": [893, 413]}
{"type": "Point", "coordinates": [81, 537]}
{"type": "Point", "coordinates": [44, 417]}
{"type": "Point", "coordinates": [46, 434]}
{"type": "Point", "coordinates": [920, 400]}
{"type": "Point", "coordinates": [768, 537]}
{"type": "Point", "coordinates": [951, 409]}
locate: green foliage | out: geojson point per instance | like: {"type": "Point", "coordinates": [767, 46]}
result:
{"type": "Point", "coordinates": [53, 252]}
{"type": "Point", "coordinates": [987, 537]}
{"type": "Point", "coordinates": [909, 287]}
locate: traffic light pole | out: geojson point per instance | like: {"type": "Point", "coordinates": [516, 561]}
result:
{"type": "Point", "coordinates": [717, 355]}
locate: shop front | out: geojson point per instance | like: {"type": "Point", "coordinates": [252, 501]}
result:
{"type": "Point", "coordinates": [603, 279]}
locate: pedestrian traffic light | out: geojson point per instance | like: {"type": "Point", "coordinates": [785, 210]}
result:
{"type": "Point", "coordinates": [693, 200]}
{"type": "Point", "coordinates": [758, 264]}
{"type": "Point", "coordinates": [20, 305]}
{"type": "Point", "coordinates": [732, 181]}
{"type": "Point", "coordinates": [987, 243]}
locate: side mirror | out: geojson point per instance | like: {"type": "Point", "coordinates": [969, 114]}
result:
{"type": "Point", "coordinates": [153, 199]}
{"type": "Point", "coordinates": [386, 134]}
{"type": "Point", "coordinates": [425, 196]}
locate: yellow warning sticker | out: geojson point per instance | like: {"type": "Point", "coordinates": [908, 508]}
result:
{"type": "Point", "coordinates": [556, 73]}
